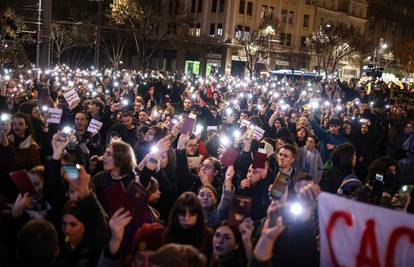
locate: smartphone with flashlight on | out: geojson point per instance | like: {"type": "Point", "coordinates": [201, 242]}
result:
{"type": "Point", "coordinates": [72, 170]}
{"type": "Point", "coordinates": [402, 195]}
{"type": "Point", "coordinates": [65, 133]}
{"type": "Point", "coordinates": [279, 185]}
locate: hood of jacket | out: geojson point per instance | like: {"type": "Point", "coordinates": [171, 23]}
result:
{"type": "Point", "coordinates": [26, 143]}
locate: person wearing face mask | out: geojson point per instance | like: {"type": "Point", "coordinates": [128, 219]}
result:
{"type": "Point", "coordinates": [216, 213]}
{"type": "Point", "coordinates": [186, 224]}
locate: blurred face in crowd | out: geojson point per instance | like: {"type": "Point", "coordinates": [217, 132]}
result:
{"type": "Point", "coordinates": [301, 133]}
{"type": "Point", "coordinates": [141, 258]}
{"type": "Point", "coordinates": [310, 143]}
{"type": "Point", "coordinates": [37, 182]}
{"type": "Point", "coordinates": [364, 128]}
{"type": "Point", "coordinates": [216, 96]}
{"type": "Point", "coordinates": [243, 116]}
{"type": "Point", "coordinates": [347, 129]}
{"type": "Point", "coordinates": [93, 109]}
{"type": "Point", "coordinates": [285, 158]}
{"type": "Point", "coordinates": [81, 122]}
{"type": "Point", "coordinates": [138, 106]}
{"type": "Point", "coordinates": [187, 104]}
{"type": "Point", "coordinates": [187, 218]}
{"type": "Point", "coordinates": [73, 229]}
{"type": "Point", "coordinates": [409, 128]}
{"type": "Point", "coordinates": [224, 241]}
{"type": "Point", "coordinates": [108, 160]}
{"type": "Point", "coordinates": [19, 126]}
{"type": "Point", "coordinates": [279, 143]}
{"type": "Point", "coordinates": [277, 124]}
{"type": "Point", "coordinates": [255, 175]}
{"type": "Point", "coordinates": [164, 160]}
{"type": "Point", "coordinates": [143, 117]}
{"type": "Point", "coordinates": [127, 121]}
{"type": "Point", "coordinates": [207, 169]}
{"type": "Point", "coordinates": [191, 147]}
{"type": "Point", "coordinates": [392, 169]}
{"type": "Point", "coordinates": [206, 197]}
{"type": "Point", "coordinates": [36, 114]}
{"type": "Point", "coordinates": [334, 129]}
{"type": "Point", "coordinates": [149, 136]}
{"type": "Point", "coordinates": [303, 121]}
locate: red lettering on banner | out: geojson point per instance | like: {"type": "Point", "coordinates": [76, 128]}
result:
{"type": "Point", "coordinates": [368, 242]}
{"type": "Point", "coordinates": [336, 216]}
{"type": "Point", "coordinates": [392, 243]}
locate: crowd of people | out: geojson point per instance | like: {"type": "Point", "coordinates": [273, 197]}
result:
{"type": "Point", "coordinates": [161, 169]}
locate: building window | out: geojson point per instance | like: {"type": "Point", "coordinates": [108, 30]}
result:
{"type": "Point", "coordinates": [214, 6]}
{"type": "Point", "coordinates": [239, 31]}
{"type": "Point", "coordinates": [246, 32]}
{"type": "Point", "coordinates": [200, 6]}
{"type": "Point", "coordinates": [212, 29]}
{"type": "Point", "coordinates": [303, 42]}
{"type": "Point", "coordinates": [290, 17]}
{"type": "Point", "coordinates": [193, 6]}
{"type": "Point", "coordinates": [172, 28]}
{"type": "Point", "coordinates": [263, 12]}
{"type": "Point", "coordinates": [241, 6]}
{"type": "Point", "coordinates": [284, 15]}
{"type": "Point", "coordinates": [250, 8]}
{"type": "Point", "coordinates": [308, 2]}
{"type": "Point", "coordinates": [220, 29]}
{"type": "Point", "coordinates": [221, 5]}
{"type": "Point", "coordinates": [198, 29]}
{"type": "Point", "coordinates": [306, 21]}
{"type": "Point", "coordinates": [271, 9]}
{"type": "Point", "coordinates": [285, 39]}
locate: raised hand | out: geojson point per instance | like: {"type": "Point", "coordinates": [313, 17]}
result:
{"type": "Point", "coordinates": [80, 185]}
{"type": "Point", "coordinates": [119, 220]}
{"type": "Point", "coordinates": [21, 203]}
{"type": "Point", "coordinates": [58, 145]}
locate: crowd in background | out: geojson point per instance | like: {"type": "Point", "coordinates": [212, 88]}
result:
{"type": "Point", "coordinates": [333, 136]}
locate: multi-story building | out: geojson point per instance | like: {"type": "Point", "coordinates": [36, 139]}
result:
{"type": "Point", "coordinates": [389, 25]}
{"type": "Point", "coordinates": [213, 44]}
{"type": "Point", "coordinates": [347, 12]}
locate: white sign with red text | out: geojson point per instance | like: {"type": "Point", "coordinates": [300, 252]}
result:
{"type": "Point", "coordinates": [354, 234]}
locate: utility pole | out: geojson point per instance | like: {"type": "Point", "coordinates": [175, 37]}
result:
{"type": "Point", "coordinates": [98, 34]}
{"type": "Point", "coordinates": [39, 32]}
{"type": "Point", "coordinates": [45, 47]}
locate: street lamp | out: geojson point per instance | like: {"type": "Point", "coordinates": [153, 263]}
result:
{"type": "Point", "coordinates": [269, 32]}
{"type": "Point", "coordinates": [380, 50]}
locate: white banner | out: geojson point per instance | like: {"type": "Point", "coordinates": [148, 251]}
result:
{"type": "Point", "coordinates": [54, 115]}
{"type": "Point", "coordinates": [94, 126]}
{"type": "Point", "coordinates": [71, 97]}
{"type": "Point", "coordinates": [358, 234]}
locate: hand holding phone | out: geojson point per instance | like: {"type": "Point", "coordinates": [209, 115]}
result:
{"type": "Point", "coordinates": [278, 187]}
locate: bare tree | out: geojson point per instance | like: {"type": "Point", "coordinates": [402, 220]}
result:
{"type": "Point", "coordinates": [404, 54]}
{"type": "Point", "coordinates": [66, 36]}
{"type": "Point", "coordinates": [113, 50]}
{"type": "Point", "coordinates": [13, 37]}
{"type": "Point", "coordinates": [333, 43]}
{"type": "Point", "coordinates": [256, 45]}
{"type": "Point", "coordinates": [151, 22]}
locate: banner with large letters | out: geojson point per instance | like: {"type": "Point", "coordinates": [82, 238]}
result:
{"type": "Point", "coordinates": [354, 234]}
